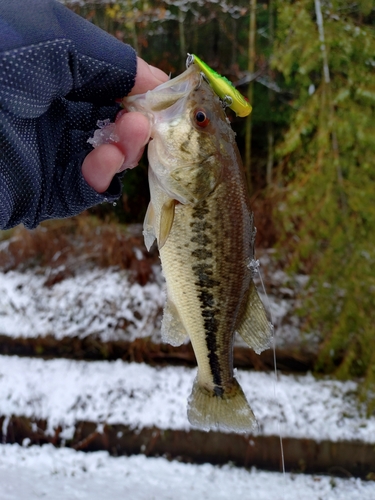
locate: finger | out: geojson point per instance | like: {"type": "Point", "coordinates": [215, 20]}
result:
{"type": "Point", "coordinates": [148, 77]}
{"type": "Point", "coordinates": [133, 130]}
{"type": "Point", "coordinates": [99, 166]}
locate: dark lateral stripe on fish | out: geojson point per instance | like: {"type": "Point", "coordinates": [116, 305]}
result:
{"type": "Point", "coordinates": [205, 282]}
{"type": "Point", "coordinates": [211, 327]}
{"type": "Point", "coordinates": [219, 391]}
{"type": "Point", "coordinates": [201, 239]}
{"type": "Point", "coordinates": [199, 226]}
{"type": "Point", "coordinates": [204, 273]}
{"type": "Point", "coordinates": [200, 211]}
{"type": "Point", "coordinates": [201, 253]}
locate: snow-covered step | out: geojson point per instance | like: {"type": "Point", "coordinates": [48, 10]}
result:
{"type": "Point", "coordinates": [102, 313]}
{"type": "Point", "coordinates": [66, 391]}
{"type": "Point", "coordinates": [319, 420]}
{"type": "Point", "coordinates": [293, 359]}
{"type": "Point", "coordinates": [61, 474]}
{"type": "Point", "coordinates": [104, 303]}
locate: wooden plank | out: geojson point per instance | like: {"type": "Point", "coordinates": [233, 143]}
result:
{"type": "Point", "coordinates": [292, 359]}
{"type": "Point", "coordinates": [342, 458]}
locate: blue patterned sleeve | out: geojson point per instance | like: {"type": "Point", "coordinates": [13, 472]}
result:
{"type": "Point", "coordinates": [59, 75]}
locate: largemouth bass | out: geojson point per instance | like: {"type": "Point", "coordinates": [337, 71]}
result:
{"type": "Point", "coordinates": [200, 216]}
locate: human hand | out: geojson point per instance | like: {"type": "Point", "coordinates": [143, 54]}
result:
{"type": "Point", "coordinates": [60, 75]}
{"type": "Point", "coordinates": [133, 130]}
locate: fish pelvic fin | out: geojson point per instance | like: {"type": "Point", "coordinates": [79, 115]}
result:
{"type": "Point", "coordinates": [172, 330]}
{"type": "Point", "coordinates": [221, 409]}
{"type": "Point", "coordinates": [254, 327]}
{"type": "Point", "coordinates": [149, 226]}
{"type": "Point", "coordinates": [166, 221]}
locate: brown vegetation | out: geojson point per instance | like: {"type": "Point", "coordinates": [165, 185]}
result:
{"type": "Point", "coordinates": [263, 208]}
{"type": "Point", "coordinates": [66, 246]}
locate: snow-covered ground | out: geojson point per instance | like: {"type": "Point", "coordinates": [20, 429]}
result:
{"type": "Point", "coordinates": [107, 304]}
{"type": "Point", "coordinates": [100, 302]}
{"type": "Point", "coordinates": [65, 391]}
{"type": "Point", "coordinates": [63, 474]}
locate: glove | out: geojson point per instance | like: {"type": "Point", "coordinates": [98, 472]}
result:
{"type": "Point", "coordinates": [59, 75]}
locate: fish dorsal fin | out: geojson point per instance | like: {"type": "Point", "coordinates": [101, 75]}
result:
{"type": "Point", "coordinates": [166, 221]}
{"type": "Point", "coordinates": [149, 226]}
{"type": "Point", "coordinates": [172, 329]}
{"type": "Point", "coordinates": [253, 325]}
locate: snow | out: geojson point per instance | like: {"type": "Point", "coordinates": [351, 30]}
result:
{"type": "Point", "coordinates": [63, 474]}
{"type": "Point", "coordinates": [137, 395]}
{"type": "Point", "coordinates": [106, 303]}
{"type": "Point", "coordinates": [100, 302]}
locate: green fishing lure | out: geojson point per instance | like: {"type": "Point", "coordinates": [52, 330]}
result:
{"type": "Point", "coordinates": [222, 87]}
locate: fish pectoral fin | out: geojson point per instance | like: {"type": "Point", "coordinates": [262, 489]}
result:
{"type": "Point", "coordinates": [253, 326]}
{"type": "Point", "coordinates": [166, 221]}
{"type": "Point", "coordinates": [149, 226]}
{"type": "Point", "coordinates": [172, 330]}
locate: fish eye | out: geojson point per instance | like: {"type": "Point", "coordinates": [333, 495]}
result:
{"type": "Point", "coordinates": [201, 118]}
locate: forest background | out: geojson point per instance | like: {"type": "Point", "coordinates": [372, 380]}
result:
{"type": "Point", "coordinates": [308, 68]}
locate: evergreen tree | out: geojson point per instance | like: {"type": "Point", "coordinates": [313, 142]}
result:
{"type": "Point", "coordinates": [326, 53]}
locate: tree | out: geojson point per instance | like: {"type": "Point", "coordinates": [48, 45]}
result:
{"type": "Point", "coordinates": [326, 55]}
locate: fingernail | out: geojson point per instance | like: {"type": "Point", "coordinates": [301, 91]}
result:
{"type": "Point", "coordinates": [121, 163]}
{"type": "Point", "coordinates": [128, 165]}
{"type": "Point", "coordinates": [120, 114]}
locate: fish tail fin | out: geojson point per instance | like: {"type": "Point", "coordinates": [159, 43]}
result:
{"type": "Point", "coordinates": [221, 409]}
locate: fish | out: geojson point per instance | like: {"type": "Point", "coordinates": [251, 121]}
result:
{"type": "Point", "coordinates": [199, 214]}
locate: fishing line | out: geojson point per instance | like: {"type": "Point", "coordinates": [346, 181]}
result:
{"type": "Point", "coordinates": [268, 307]}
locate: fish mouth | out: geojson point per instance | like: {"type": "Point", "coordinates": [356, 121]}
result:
{"type": "Point", "coordinates": [167, 94]}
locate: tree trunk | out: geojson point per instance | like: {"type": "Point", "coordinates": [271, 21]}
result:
{"type": "Point", "coordinates": [270, 134]}
{"type": "Point", "coordinates": [181, 19]}
{"type": "Point", "coordinates": [250, 68]}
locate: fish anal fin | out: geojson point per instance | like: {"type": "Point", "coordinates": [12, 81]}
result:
{"type": "Point", "coordinates": [253, 326]}
{"type": "Point", "coordinates": [221, 408]}
{"type": "Point", "coordinates": [166, 221]}
{"type": "Point", "coordinates": [172, 330]}
{"type": "Point", "coordinates": [149, 226]}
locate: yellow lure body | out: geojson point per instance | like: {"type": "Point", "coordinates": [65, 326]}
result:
{"type": "Point", "coordinates": [222, 87]}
